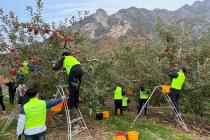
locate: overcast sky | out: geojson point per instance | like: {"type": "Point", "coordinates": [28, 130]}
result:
{"type": "Point", "coordinates": [59, 9]}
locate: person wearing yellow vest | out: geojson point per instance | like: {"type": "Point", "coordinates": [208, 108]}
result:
{"type": "Point", "coordinates": [25, 68]}
{"type": "Point", "coordinates": [178, 79]}
{"type": "Point", "coordinates": [74, 72]}
{"type": "Point", "coordinates": [32, 117]}
{"type": "Point", "coordinates": [118, 99]}
{"type": "Point", "coordinates": [143, 97]}
{"type": "Point", "coordinates": [125, 102]}
{"type": "Point", "coordinates": [23, 71]}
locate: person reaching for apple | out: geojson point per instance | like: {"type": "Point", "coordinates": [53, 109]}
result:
{"type": "Point", "coordinates": [74, 71]}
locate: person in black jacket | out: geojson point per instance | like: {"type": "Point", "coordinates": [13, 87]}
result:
{"type": "Point", "coordinates": [2, 101]}
{"type": "Point", "coordinates": [11, 89]}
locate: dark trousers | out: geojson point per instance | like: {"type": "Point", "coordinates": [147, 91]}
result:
{"type": "Point", "coordinates": [118, 105]}
{"type": "Point", "coordinates": [175, 98]}
{"type": "Point", "coordinates": [141, 103]}
{"type": "Point", "coordinates": [40, 136]}
{"type": "Point", "coordinates": [11, 97]}
{"type": "Point", "coordinates": [74, 80]}
{"type": "Point", "coordinates": [2, 103]}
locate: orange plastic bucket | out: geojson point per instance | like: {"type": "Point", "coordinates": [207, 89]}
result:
{"type": "Point", "coordinates": [133, 135]}
{"type": "Point", "coordinates": [119, 138]}
{"type": "Point", "coordinates": [166, 88]}
{"type": "Point", "coordinates": [58, 107]}
{"type": "Point", "coordinates": [105, 114]}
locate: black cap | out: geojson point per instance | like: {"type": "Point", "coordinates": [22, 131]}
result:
{"type": "Point", "coordinates": [31, 92]}
{"type": "Point", "coordinates": [142, 88]}
{"type": "Point", "coordinates": [65, 54]}
{"type": "Point", "coordinates": [184, 69]}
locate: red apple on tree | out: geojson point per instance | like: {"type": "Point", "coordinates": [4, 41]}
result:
{"type": "Point", "coordinates": [69, 38]}
{"type": "Point", "coordinates": [16, 25]}
{"type": "Point", "coordinates": [17, 57]}
{"type": "Point", "coordinates": [17, 61]}
{"type": "Point", "coordinates": [21, 65]}
{"type": "Point", "coordinates": [60, 36]}
{"type": "Point", "coordinates": [46, 30]}
{"type": "Point", "coordinates": [33, 61]}
{"type": "Point", "coordinates": [58, 30]}
{"type": "Point", "coordinates": [13, 71]}
{"type": "Point", "coordinates": [1, 64]}
{"type": "Point", "coordinates": [52, 36]}
{"type": "Point", "coordinates": [167, 50]}
{"type": "Point", "coordinates": [12, 49]}
{"type": "Point", "coordinates": [30, 29]}
{"type": "Point", "coordinates": [38, 78]}
{"type": "Point", "coordinates": [36, 30]}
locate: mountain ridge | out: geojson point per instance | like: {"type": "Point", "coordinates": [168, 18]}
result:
{"type": "Point", "coordinates": [136, 22]}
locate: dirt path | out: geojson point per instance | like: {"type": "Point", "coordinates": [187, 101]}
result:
{"type": "Point", "coordinates": [58, 129]}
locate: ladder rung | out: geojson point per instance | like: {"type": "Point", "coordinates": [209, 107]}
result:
{"type": "Point", "coordinates": [74, 120]}
{"type": "Point", "coordinates": [82, 129]}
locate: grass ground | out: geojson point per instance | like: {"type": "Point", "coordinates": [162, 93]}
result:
{"type": "Point", "coordinates": [10, 132]}
{"type": "Point", "coordinates": [148, 130]}
{"type": "Point", "coordinates": [207, 109]}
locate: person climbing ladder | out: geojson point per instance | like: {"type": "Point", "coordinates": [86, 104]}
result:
{"type": "Point", "coordinates": [178, 79]}
{"type": "Point", "coordinates": [74, 71]}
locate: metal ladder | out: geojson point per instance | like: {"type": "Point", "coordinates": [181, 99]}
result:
{"type": "Point", "coordinates": [11, 118]}
{"type": "Point", "coordinates": [61, 90]}
{"type": "Point", "coordinates": [176, 112]}
{"type": "Point", "coordinates": [168, 99]}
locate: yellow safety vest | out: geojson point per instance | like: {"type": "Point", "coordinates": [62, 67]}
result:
{"type": "Point", "coordinates": [69, 62]}
{"type": "Point", "coordinates": [25, 69]}
{"type": "Point", "coordinates": [35, 112]}
{"type": "Point", "coordinates": [143, 95]}
{"type": "Point", "coordinates": [118, 93]}
{"type": "Point", "coordinates": [124, 101]}
{"type": "Point", "coordinates": [179, 81]}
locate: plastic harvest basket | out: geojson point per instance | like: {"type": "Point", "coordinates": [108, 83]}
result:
{"type": "Point", "coordinates": [133, 135]}
{"type": "Point", "coordinates": [58, 107]}
{"type": "Point", "coordinates": [105, 114]}
{"type": "Point", "coordinates": [166, 89]}
{"type": "Point", "coordinates": [119, 138]}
